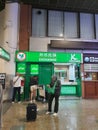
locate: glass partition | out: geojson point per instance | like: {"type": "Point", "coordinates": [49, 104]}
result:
{"type": "Point", "coordinates": [66, 72]}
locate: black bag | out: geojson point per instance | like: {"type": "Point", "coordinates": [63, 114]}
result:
{"type": "Point", "coordinates": [31, 112]}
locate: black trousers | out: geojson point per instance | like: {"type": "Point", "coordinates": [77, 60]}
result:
{"type": "Point", "coordinates": [15, 90]}
{"type": "Point", "coordinates": [56, 104]}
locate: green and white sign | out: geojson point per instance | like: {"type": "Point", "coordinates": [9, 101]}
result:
{"type": "Point", "coordinates": [21, 68]}
{"type": "Point", "coordinates": [21, 56]}
{"type": "Point", "coordinates": [4, 54]}
{"type": "Point", "coordinates": [57, 57]}
{"type": "Point", "coordinates": [34, 69]}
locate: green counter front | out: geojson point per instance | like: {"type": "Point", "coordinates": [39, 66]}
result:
{"type": "Point", "coordinates": [68, 90]}
{"type": "Point", "coordinates": [71, 89]}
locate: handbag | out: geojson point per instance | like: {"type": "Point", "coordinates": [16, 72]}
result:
{"type": "Point", "coordinates": [15, 81]}
{"type": "Point", "coordinates": [52, 89]}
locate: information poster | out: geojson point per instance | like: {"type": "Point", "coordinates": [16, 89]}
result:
{"type": "Point", "coordinates": [2, 79]}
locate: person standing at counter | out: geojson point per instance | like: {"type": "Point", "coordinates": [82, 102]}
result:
{"type": "Point", "coordinates": [16, 87]}
{"type": "Point", "coordinates": [57, 83]}
{"type": "Point", "coordinates": [33, 88]}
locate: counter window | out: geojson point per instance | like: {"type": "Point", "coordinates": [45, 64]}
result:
{"type": "Point", "coordinates": [66, 72]}
{"type": "Point", "coordinates": [91, 75]}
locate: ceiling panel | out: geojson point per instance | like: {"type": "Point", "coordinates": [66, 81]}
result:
{"type": "Point", "coordinates": [66, 5]}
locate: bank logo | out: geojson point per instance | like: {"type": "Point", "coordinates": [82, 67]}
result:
{"type": "Point", "coordinates": [21, 56]}
{"type": "Point", "coordinates": [86, 59]}
{"type": "Point", "coordinates": [73, 58]}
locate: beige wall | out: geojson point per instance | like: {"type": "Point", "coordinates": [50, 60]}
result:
{"type": "Point", "coordinates": [40, 44]}
{"type": "Point", "coordinates": [9, 30]}
{"type": "Point", "coordinates": [9, 35]}
{"type": "Point", "coordinates": [2, 18]}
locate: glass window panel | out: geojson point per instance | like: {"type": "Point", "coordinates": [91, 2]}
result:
{"type": "Point", "coordinates": [96, 24]}
{"type": "Point", "coordinates": [70, 25]}
{"type": "Point", "coordinates": [39, 17]}
{"type": "Point", "coordinates": [86, 26]}
{"type": "Point", "coordinates": [55, 23]}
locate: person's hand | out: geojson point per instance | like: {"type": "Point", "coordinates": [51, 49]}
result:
{"type": "Point", "coordinates": [48, 85]}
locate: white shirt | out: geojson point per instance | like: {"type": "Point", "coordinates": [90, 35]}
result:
{"type": "Point", "coordinates": [18, 82]}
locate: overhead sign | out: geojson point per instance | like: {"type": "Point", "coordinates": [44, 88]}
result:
{"type": "Point", "coordinates": [56, 57]}
{"type": "Point", "coordinates": [90, 58]}
{"type": "Point", "coordinates": [4, 54]}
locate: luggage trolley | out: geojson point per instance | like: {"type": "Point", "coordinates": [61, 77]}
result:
{"type": "Point", "coordinates": [42, 93]}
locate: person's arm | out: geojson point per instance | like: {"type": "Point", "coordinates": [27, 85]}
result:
{"type": "Point", "coordinates": [58, 84]}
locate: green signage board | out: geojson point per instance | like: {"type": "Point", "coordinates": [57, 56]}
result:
{"type": "Point", "coordinates": [56, 57]}
{"type": "Point", "coordinates": [34, 69]}
{"type": "Point", "coordinates": [21, 68]}
{"type": "Point", "coordinates": [4, 54]}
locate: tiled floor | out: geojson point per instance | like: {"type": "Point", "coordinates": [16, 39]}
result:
{"type": "Point", "coordinates": [77, 114]}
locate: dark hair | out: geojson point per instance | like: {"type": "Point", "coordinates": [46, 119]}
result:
{"type": "Point", "coordinates": [54, 77]}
